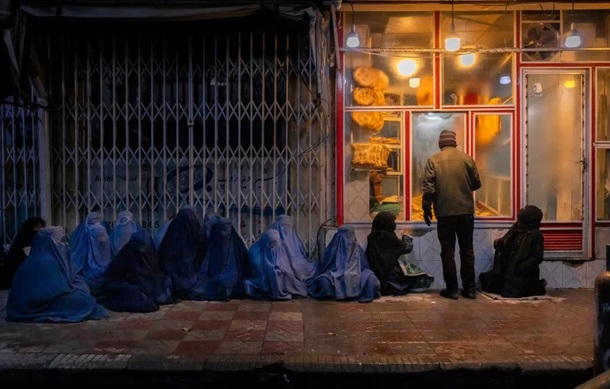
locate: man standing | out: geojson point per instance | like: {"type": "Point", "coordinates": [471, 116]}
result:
{"type": "Point", "coordinates": [450, 177]}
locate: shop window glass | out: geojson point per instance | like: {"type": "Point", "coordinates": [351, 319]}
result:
{"type": "Point", "coordinates": [554, 162]}
{"type": "Point", "coordinates": [426, 127]}
{"type": "Point", "coordinates": [374, 164]}
{"type": "Point", "coordinates": [594, 29]}
{"type": "Point", "coordinates": [376, 76]}
{"type": "Point", "coordinates": [493, 146]}
{"type": "Point", "coordinates": [602, 144]}
{"type": "Point", "coordinates": [475, 75]}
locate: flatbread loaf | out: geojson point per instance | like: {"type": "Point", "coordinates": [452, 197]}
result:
{"type": "Point", "coordinates": [372, 121]}
{"type": "Point", "coordinates": [364, 96]}
{"type": "Point", "coordinates": [366, 76]}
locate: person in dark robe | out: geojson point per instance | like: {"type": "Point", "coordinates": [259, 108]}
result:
{"type": "Point", "coordinates": [161, 233]}
{"type": "Point", "coordinates": [19, 249]}
{"type": "Point", "coordinates": [225, 267]}
{"type": "Point", "coordinates": [46, 288]}
{"type": "Point", "coordinates": [134, 280]}
{"type": "Point", "coordinates": [79, 239]}
{"type": "Point", "coordinates": [125, 226]}
{"type": "Point", "coordinates": [383, 251]}
{"type": "Point", "coordinates": [304, 267]}
{"type": "Point", "coordinates": [272, 276]}
{"type": "Point", "coordinates": [345, 273]}
{"type": "Point", "coordinates": [98, 258]}
{"type": "Point", "coordinates": [182, 250]}
{"type": "Point", "coordinates": [517, 258]}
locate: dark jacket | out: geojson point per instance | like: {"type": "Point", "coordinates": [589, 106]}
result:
{"type": "Point", "coordinates": [451, 176]}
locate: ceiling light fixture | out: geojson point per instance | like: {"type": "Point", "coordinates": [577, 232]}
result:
{"type": "Point", "coordinates": [572, 38]}
{"type": "Point", "coordinates": [452, 40]}
{"type": "Point", "coordinates": [352, 38]}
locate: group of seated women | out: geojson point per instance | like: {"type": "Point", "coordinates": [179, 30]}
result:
{"type": "Point", "coordinates": [77, 277]}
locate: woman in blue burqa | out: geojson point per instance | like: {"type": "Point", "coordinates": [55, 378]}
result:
{"type": "Point", "coordinates": [225, 267]}
{"type": "Point", "coordinates": [303, 267]}
{"type": "Point", "coordinates": [19, 250]}
{"type": "Point", "coordinates": [79, 239]}
{"type": "Point", "coordinates": [125, 226]}
{"type": "Point", "coordinates": [517, 258]}
{"type": "Point", "coordinates": [134, 280]}
{"type": "Point", "coordinates": [344, 273]}
{"type": "Point", "coordinates": [385, 251]}
{"type": "Point", "coordinates": [46, 288]}
{"type": "Point", "coordinates": [99, 256]}
{"type": "Point", "coordinates": [181, 251]}
{"type": "Point", "coordinates": [272, 276]}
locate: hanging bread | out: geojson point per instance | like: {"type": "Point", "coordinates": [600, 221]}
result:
{"type": "Point", "coordinates": [366, 76]}
{"type": "Point", "coordinates": [379, 98]}
{"type": "Point", "coordinates": [382, 82]}
{"type": "Point", "coordinates": [364, 96]}
{"type": "Point", "coordinates": [370, 155]}
{"type": "Point", "coordinates": [372, 121]}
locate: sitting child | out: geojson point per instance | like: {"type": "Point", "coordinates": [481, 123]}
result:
{"type": "Point", "coordinates": [518, 255]}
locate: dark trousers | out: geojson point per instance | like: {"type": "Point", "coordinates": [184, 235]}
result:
{"type": "Point", "coordinates": [448, 228]}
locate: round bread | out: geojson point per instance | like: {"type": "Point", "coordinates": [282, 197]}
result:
{"type": "Point", "coordinates": [364, 96]}
{"type": "Point", "coordinates": [379, 98]}
{"type": "Point", "coordinates": [366, 76]}
{"type": "Point", "coordinates": [383, 81]}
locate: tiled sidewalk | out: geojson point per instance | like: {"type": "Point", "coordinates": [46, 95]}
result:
{"type": "Point", "coordinates": [409, 334]}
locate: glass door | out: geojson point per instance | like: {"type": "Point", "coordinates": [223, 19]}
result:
{"type": "Point", "coordinates": [555, 156]}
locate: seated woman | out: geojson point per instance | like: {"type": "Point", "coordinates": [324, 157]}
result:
{"type": "Point", "coordinates": [19, 250]}
{"type": "Point", "coordinates": [99, 255]}
{"type": "Point", "coordinates": [517, 258]}
{"type": "Point", "coordinates": [79, 239]}
{"type": "Point", "coordinates": [225, 266]}
{"type": "Point", "coordinates": [344, 273]}
{"type": "Point", "coordinates": [272, 276]}
{"type": "Point", "coordinates": [46, 288]}
{"type": "Point", "coordinates": [134, 280]}
{"type": "Point", "coordinates": [125, 226]}
{"type": "Point", "coordinates": [181, 251]}
{"type": "Point", "coordinates": [304, 267]}
{"type": "Point", "coordinates": [383, 251]}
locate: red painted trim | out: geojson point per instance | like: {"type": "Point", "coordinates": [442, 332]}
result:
{"type": "Point", "coordinates": [406, 183]}
{"type": "Point", "coordinates": [517, 129]}
{"type": "Point", "coordinates": [592, 157]}
{"type": "Point", "coordinates": [436, 73]}
{"type": "Point", "coordinates": [340, 171]}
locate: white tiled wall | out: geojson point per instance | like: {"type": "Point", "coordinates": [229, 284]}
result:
{"type": "Point", "coordinates": [426, 255]}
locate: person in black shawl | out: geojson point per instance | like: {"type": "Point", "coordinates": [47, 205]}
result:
{"type": "Point", "coordinates": [518, 255]}
{"type": "Point", "coordinates": [383, 251]}
{"type": "Point", "coordinates": [19, 250]}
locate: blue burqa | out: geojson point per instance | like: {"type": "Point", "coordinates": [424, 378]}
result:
{"type": "Point", "coordinates": [125, 226]}
{"type": "Point", "coordinates": [79, 240]}
{"type": "Point", "coordinates": [272, 276]}
{"type": "Point", "coordinates": [181, 251]}
{"type": "Point", "coordinates": [303, 267]}
{"type": "Point", "coordinates": [99, 256]}
{"type": "Point", "coordinates": [46, 288]}
{"type": "Point", "coordinates": [345, 272]}
{"type": "Point", "coordinates": [225, 267]}
{"type": "Point", "coordinates": [134, 280]}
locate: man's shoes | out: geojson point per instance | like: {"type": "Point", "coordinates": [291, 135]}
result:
{"type": "Point", "coordinates": [469, 293]}
{"type": "Point", "coordinates": [450, 294]}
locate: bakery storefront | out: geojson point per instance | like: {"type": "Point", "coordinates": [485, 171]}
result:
{"type": "Point", "coordinates": [531, 111]}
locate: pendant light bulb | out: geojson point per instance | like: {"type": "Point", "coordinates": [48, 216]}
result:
{"type": "Point", "coordinates": [572, 38]}
{"type": "Point", "coordinates": [352, 38]}
{"type": "Point", "coordinates": [452, 40]}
